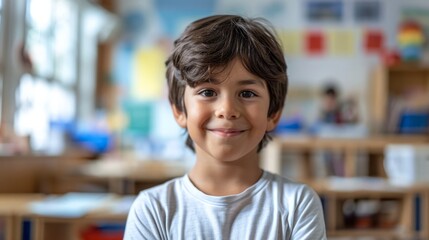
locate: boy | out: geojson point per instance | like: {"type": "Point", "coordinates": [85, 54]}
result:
{"type": "Point", "coordinates": [227, 85]}
{"type": "Point", "coordinates": [330, 112]}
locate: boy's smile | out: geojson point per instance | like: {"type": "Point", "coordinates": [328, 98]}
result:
{"type": "Point", "coordinates": [227, 116]}
{"type": "Point", "coordinates": [226, 132]}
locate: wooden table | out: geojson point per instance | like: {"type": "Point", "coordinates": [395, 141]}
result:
{"type": "Point", "coordinates": [14, 209]}
{"type": "Point", "coordinates": [11, 207]}
{"type": "Point", "coordinates": [48, 227]}
{"type": "Point", "coordinates": [122, 175]}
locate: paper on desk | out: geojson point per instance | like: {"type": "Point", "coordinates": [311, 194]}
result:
{"type": "Point", "coordinates": [123, 205]}
{"type": "Point", "coordinates": [70, 205]}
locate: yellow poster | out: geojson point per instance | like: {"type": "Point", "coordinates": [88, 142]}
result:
{"type": "Point", "coordinates": [341, 42]}
{"type": "Point", "coordinates": [291, 42]}
{"type": "Point", "coordinates": [148, 74]}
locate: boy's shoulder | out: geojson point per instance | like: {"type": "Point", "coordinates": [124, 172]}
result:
{"type": "Point", "coordinates": [157, 199]}
{"type": "Point", "coordinates": [292, 195]}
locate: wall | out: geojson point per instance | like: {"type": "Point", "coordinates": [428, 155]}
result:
{"type": "Point", "coordinates": [353, 72]}
{"type": "Point", "coordinates": [306, 73]}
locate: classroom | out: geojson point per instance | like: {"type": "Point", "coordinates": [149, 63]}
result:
{"type": "Point", "coordinates": [86, 122]}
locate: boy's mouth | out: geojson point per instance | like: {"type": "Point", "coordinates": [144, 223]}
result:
{"type": "Point", "coordinates": [224, 132]}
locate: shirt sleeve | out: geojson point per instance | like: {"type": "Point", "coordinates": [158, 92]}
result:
{"type": "Point", "coordinates": [309, 223]}
{"type": "Point", "coordinates": [143, 222]}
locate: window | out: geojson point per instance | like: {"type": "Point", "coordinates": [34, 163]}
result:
{"type": "Point", "coordinates": [51, 39]}
{"type": "Point", "coordinates": [1, 50]}
{"type": "Point", "coordinates": [45, 97]}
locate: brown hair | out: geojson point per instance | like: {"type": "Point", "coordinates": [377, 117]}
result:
{"type": "Point", "coordinates": [213, 42]}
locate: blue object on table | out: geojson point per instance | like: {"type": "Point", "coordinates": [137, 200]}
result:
{"type": "Point", "coordinates": [95, 140]}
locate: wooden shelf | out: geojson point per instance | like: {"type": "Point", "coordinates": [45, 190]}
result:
{"type": "Point", "coordinates": [390, 83]}
{"type": "Point", "coordinates": [335, 191]}
{"type": "Point", "coordinates": [408, 67]}
{"type": "Point", "coordinates": [392, 234]}
{"type": "Point", "coordinates": [350, 147]}
{"type": "Point", "coordinates": [379, 190]}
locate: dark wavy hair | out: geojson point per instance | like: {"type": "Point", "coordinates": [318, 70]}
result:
{"type": "Point", "coordinates": [213, 42]}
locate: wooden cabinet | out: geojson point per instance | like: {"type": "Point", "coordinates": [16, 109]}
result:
{"type": "Point", "coordinates": [368, 207]}
{"type": "Point", "coordinates": [393, 89]}
{"type": "Point", "coordinates": [375, 189]}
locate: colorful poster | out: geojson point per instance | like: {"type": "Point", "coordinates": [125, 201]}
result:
{"type": "Point", "coordinates": [367, 11]}
{"type": "Point", "coordinates": [324, 11]}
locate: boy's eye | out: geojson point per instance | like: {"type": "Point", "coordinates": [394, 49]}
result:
{"type": "Point", "coordinates": [247, 94]}
{"type": "Point", "coordinates": [207, 93]}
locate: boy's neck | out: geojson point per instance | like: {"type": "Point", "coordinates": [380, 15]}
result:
{"type": "Point", "coordinates": [222, 179]}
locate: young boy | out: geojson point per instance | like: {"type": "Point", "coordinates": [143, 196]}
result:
{"type": "Point", "coordinates": [227, 85]}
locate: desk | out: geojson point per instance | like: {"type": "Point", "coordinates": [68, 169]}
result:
{"type": "Point", "coordinates": [122, 175]}
{"type": "Point", "coordinates": [307, 146]}
{"type": "Point", "coordinates": [47, 227]}
{"type": "Point", "coordinates": [11, 207]}
{"type": "Point", "coordinates": [14, 208]}
{"type": "Point", "coordinates": [35, 174]}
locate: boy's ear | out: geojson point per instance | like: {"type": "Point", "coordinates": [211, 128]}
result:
{"type": "Point", "coordinates": [180, 116]}
{"type": "Point", "coordinates": [273, 120]}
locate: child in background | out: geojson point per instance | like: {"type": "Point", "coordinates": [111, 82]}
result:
{"type": "Point", "coordinates": [227, 86]}
{"type": "Point", "coordinates": [331, 111]}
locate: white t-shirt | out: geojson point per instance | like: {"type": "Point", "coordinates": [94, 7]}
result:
{"type": "Point", "coordinates": [273, 208]}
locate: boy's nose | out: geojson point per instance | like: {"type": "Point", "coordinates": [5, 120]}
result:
{"type": "Point", "coordinates": [227, 109]}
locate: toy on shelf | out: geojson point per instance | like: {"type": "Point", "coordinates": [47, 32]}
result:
{"type": "Point", "coordinates": [410, 39]}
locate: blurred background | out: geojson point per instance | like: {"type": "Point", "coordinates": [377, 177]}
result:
{"type": "Point", "coordinates": [85, 120]}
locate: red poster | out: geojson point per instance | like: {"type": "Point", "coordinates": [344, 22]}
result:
{"type": "Point", "coordinates": [315, 43]}
{"type": "Point", "coordinates": [374, 41]}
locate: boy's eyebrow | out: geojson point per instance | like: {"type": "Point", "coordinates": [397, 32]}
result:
{"type": "Point", "coordinates": [251, 82]}
{"type": "Point", "coordinates": [240, 82]}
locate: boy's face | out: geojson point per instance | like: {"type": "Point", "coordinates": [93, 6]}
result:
{"type": "Point", "coordinates": [227, 118]}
